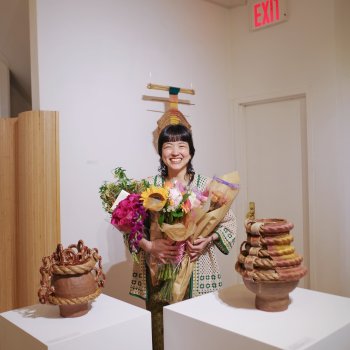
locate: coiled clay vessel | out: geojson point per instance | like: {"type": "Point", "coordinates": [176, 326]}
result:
{"type": "Point", "coordinates": [70, 279]}
{"type": "Point", "coordinates": [268, 263]}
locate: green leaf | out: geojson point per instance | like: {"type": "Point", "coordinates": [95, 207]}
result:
{"type": "Point", "coordinates": [161, 219]}
{"type": "Point", "coordinates": [185, 197]}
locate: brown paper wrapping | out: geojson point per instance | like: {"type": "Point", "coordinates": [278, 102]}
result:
{"type": "Point", "coordinates": [205, 225]}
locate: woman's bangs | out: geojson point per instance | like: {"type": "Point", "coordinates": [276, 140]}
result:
{"type": "Point", "coordinates": [176, 134]}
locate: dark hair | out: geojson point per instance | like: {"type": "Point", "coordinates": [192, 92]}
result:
{"type": "Point", "coordinates": [173, 133]}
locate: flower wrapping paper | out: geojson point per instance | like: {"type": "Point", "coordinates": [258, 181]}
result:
{"type": "Point", "coordinates": [204, 226]}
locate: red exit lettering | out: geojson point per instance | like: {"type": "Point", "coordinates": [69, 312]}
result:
{"type": "Point", "coordinates": [266, 12]}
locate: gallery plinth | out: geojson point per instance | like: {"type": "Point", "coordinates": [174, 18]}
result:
{"type": "Point", "coordinates": [110, 324]}
{"type": "Point", "coordinates": [228, 319]}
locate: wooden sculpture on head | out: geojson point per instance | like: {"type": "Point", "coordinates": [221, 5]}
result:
{"type": "Point", "coordinates": [172, 116]}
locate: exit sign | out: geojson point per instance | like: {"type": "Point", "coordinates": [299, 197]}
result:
{"type": "Point", "coordinates": [267, 12]}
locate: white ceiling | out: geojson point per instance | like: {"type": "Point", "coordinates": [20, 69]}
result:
{"type": "Point", "coordinates": [14, 40]}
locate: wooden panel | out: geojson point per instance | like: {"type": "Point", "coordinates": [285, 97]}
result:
{"type": "Point", "coordinates": [7, 213]}
{"type": "Point", "coordinates": [38, 188]}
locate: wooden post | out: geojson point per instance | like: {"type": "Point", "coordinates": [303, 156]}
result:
{"type": "Point", "coordinates": [8, 213]}
{"type": "Point", "coordinates": [38, 199]}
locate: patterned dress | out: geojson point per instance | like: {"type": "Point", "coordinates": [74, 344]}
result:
{"type": "Point", "coordinates": [206, 276]}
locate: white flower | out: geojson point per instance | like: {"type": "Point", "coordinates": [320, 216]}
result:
{"type": "Point", "coordinates": [175, 197]}
{"type": "Point", "coordinates": [195, 203]}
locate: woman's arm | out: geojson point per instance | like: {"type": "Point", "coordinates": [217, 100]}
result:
{"type": "Point", "coordinates": [161, 249]}
{"type": "Point", "coordinates": [226, 232]}
{"type": "Point", "coordinates": [197, 248]}
{"type": "Point", "coordinates": [223, 237]}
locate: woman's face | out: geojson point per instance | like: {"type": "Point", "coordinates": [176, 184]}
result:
{"type": "Point", "coordinates": [176, 155]}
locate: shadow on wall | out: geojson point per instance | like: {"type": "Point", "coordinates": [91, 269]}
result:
{"type": "Point", "coordinates": [117, 264]}
{"type": "Point", "coordinates": [118, 277]}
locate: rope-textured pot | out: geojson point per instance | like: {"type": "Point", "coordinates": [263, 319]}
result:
{"type": "Point", "coordinates": [269, 264]}
{"type": "Point", "coordinates": [71, 279]}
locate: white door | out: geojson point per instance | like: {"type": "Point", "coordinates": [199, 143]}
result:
{"type": "Point", "coordinates": [274, 158]}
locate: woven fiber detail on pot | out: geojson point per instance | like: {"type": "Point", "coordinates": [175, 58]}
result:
{"type": "Point", "coordinates": [255, 227]}
{"type": "Point", "coordinates": [271, 251]}
{"type": "Point", "coordinates": [284, 239]}
{"type": "Point", "coordinates": [271, 261]}
{"type": "Point", "coordinates": [75, 269]}
{"type": "Point", "coordinates": [273, 226]}
{"type": "Point", "coordinates": [259, 241]}
{"type": "Point", "coordinates": [292, 274]}
{"type": "Point", "coordinates": [262, 275]}
{"type": "Point", "coordinates": [249, 263]}
{"type": "Point", "coordinates": [255, 251]}
{"type": "Point", "coordinates": [280, 250]}
{"type": "Point", "coordinates": [254, 241]}
{"type": "Point", "coordinates": [287, 260]}
{"type": "Point", "coordinates": [65, 301]}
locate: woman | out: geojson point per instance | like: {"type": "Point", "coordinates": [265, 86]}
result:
{"type": "Point", "coordinates": [176, 150]}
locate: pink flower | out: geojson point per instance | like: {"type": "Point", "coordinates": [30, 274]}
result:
{"type": "Point", "coordinates": [129, 217]}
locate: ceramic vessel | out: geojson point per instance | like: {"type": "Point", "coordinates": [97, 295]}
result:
{"type": "Point", "coordinates": [70, 279]}
{"type": "Point", "coordinates": [268, 263]}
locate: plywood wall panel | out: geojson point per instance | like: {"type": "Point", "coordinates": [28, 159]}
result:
{"type": "Point", "coordinates": [38, 187]}
{"type": "Point", "coordinates": [8, 208]}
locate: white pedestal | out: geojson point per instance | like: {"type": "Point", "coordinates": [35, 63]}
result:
{"type": "Point", "coordinates": [228, 319]}
{"type": "Point", "coordinates": [110, 324]}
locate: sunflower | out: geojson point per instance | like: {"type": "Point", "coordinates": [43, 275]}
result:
{"type": "Point", "coordinates": [154, 198]}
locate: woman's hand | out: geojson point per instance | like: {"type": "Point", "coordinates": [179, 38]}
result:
{"type": "Point", "coordinates": [161, 249]}
{"type": "Point", "coordinates": [197, 248]}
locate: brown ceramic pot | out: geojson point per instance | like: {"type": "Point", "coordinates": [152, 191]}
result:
{"type": "Point", "coordinates": [74, 286]}
{"type": "Point", "coordinates": [268, 263]}
{"type": "Point", "coordinates": [71, 279]}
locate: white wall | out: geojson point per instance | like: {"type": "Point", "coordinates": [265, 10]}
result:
{"type": "Point", "coordinates": [342, 35]}
{"type": "Point", "coordinates": [94, 59]}
{"type": "Point", "coordinates": [308, 54]}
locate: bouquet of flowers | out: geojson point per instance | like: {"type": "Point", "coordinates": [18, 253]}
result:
{"type": "Point", "coordinates": [181, 214]}
{"type": "Point", "coordinates": [175, 207]}
{"type": "Point", "coordinates": [186, 214]}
